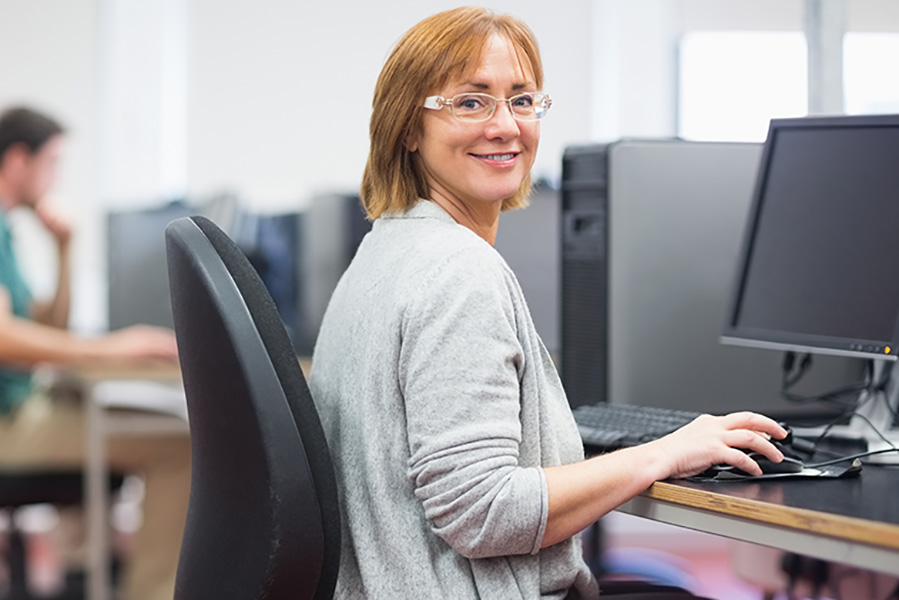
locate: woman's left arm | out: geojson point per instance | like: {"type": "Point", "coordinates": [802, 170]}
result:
{"type": "Point", "coordinates": [581, 493]}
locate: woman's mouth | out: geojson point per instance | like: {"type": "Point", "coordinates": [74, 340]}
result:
{"type": "Point", "coordinates": [497, 157]}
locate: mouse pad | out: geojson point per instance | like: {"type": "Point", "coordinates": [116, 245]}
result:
{"type": "Point", "coordinates": [826, 471]}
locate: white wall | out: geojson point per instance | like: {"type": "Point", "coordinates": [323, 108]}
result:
{"type": "Point", "coordinates": [49, 49]}
{"type": "Point", "coordinates": [142, 97]}
{"type": "Point", "coordinates": [280, 96]}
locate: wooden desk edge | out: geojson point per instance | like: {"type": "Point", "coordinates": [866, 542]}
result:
{"type": "Point", "coordinates": [859, 530]}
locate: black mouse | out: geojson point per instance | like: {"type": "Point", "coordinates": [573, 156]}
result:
{"type": "Point", "coordinates": [787, 465]}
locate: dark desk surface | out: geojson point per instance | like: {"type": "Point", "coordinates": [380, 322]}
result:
{"type": "Point", "coordinates": [863, 508]}
{"type": "Point", "coordinates": [855, 520]}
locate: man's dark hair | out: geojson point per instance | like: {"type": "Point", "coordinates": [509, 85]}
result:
{"type": "Point", "coordinates": [26, 126]}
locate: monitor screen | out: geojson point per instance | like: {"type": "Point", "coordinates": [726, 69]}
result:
{"type": "Point", "coordinates": [138, 285]}
{"type": "Point", "coordinates": [819, 267]}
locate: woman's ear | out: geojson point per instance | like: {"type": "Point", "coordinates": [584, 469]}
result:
{"type": "Point", "coordinates": [411, 143]}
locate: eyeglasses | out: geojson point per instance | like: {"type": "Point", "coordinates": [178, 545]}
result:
{"type": "Point", "coordinates": [477, 107]}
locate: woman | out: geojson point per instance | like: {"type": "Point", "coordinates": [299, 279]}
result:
{"type": "Point", "coordinates": [461, 470]}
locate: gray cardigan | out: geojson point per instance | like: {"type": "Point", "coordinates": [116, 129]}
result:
{"type": "Point", "coordinates": [441, 404]}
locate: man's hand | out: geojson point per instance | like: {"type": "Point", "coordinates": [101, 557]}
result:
{"type": "Point", "coordinates": [140, 342]}
{"type": "Point", "coordinates": [58, 225]}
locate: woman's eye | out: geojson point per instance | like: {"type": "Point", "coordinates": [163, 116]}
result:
{"type": "Point", "coordinates": [470, 103]}
{"type": "Point", "coordinates": [524, 101]}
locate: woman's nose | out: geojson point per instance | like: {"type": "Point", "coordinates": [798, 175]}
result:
{"type": "Point", "coordinates": [502, 123]}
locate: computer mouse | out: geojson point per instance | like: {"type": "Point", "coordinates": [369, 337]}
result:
{"type": "Point", "coordinates": [787, 465]}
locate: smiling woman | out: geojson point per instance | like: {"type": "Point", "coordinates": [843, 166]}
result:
{"type": "Point", "coordinates": [473, 156]}
{"type": "Point", "coordinates": [460, 467]}
{"type": "Point", "coordinates": [444, 50]}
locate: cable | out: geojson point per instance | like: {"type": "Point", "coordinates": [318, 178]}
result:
{"type": "Point", "coordinates": [876, 430]}
{"type": "Point", "coordinates": [792, 374]}
{"type": "Point", "coordinates": [791, 378]}
{"type": "Point", "coordinates": [852, 457]}
{"type": "Point", "coordinates": [788, 364]}
{"type": "Point", "coordinates": [854, 413]}
{"type": "Point", "coordinates": [849, 412]}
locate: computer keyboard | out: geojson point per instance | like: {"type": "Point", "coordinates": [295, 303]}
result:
{"type": "Point", "coordinates": [605, 427]}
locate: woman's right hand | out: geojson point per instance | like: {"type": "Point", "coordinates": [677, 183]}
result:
{"type": "Point", "coordinates": [710, 440]}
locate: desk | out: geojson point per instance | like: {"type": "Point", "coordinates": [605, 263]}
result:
{"type": "Point", "coordinates": [102, 423]}
{"type": "Point", "coordinates": [850, 521]}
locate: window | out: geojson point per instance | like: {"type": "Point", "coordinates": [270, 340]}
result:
{"type": "Point", "coordinates": [733, 83]}
{"type": "Point", "coordinates": [869, 82]}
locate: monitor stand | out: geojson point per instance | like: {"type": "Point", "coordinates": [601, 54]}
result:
{"type": "Point", "coordinates": [877, 410]}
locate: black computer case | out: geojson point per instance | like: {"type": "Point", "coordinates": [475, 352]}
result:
{"type": "Point", "coordinates": [584, 274]}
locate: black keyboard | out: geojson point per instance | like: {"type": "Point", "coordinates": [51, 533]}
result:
{"type": "Point", "coordinates": [605, 427]}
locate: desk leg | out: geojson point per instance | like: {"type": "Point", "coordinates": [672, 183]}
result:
{"type": "Point", "coordinates": [96, 472]}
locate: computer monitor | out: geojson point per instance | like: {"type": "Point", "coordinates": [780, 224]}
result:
{"type": "Point", "coordinates": [818, 266]}
{"type": "Point", "coordinates": [335, 226]}
{"type": "Point", "coordinates": [528, 240]}
{"type": "Point", "coordinates": [138, 288]}
{"type": "Point", "coordinates": [273, 243]}
{"type": "Point", "coordinates": [819, 254]}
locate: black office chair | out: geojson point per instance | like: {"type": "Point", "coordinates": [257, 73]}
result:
{"type": "Point", "coordinates": [263, 518]}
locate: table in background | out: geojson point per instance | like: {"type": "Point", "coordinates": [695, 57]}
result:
{"type": "Point", "coordinates": [106, 417]}
{"type": "Point", "coordinates": [853, 521]}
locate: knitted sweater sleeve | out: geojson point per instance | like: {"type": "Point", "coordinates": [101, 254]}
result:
{"type": "Point", "coordinates": [460, 362]}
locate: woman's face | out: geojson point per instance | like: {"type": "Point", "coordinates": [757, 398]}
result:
{"type": "Point", "coordinates": [483, 162]}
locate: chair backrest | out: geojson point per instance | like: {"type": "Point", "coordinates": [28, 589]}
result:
{"type": "Point", "coordinates": [263, 518]}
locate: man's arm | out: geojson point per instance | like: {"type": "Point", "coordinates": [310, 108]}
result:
{"type": "Point", "coordinates": [56, 312]}
{"type": "Point", "coordinates": [26, 343]}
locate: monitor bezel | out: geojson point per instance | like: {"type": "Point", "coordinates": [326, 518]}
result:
{"type": "Point", "coordinates": [735, 334]}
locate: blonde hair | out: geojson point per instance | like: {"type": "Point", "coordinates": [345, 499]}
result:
{"type": "Point", "coordinates": [441, 48]}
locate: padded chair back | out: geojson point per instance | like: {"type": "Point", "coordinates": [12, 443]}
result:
{"type": "Point", "coordinates": [263, 518]}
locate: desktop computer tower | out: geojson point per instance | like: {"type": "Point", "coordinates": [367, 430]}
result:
{"type": "Point", "coordinates": [651, 232]}
{"type": "Point", "coordinates": [583, 335]}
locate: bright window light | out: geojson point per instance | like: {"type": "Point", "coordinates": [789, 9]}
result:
{"type": "Point", "coordinates": [733, 83]}
{"type": "Point", "coordinates": [869, 80]}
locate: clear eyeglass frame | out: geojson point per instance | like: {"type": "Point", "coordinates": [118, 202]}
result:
{"type": "Point", "coordinates": [529, 106]}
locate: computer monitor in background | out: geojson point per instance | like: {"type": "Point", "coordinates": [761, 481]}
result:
{"type": "Point", "coordinates": [273, 244]}
{"type": "Point", "coordinates": [336, 224]}
{"type": "Point", "coordinates": [651, 236]}
{"type": "Point", "coordinates": [819, 267]}
{"type": "Point", "coordinates": [299, 255]}
{"type": "Point", "coordinates": [528, 240]}
{"type": "Point", "coordinates": [137, 281]}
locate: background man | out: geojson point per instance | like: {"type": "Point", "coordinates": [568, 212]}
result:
{"type": "Point", "coordinates": [38, 431]}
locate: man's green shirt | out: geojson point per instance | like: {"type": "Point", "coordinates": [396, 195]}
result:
{"type": "Point", "coordinates": [15, 384]}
